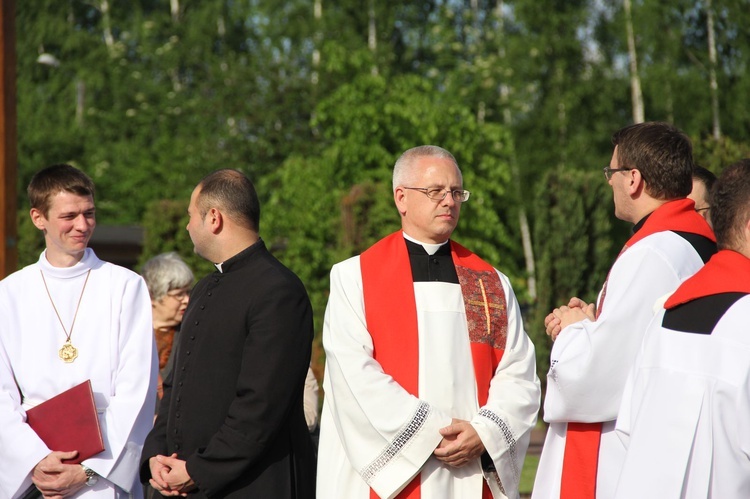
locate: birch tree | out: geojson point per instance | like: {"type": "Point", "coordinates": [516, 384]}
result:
{"type": "Point", "coordinates": [636, 94]}
{"type": "Point", "coordinates": [716, 121]}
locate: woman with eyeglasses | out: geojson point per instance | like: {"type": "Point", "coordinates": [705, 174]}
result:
{"type": "Point", "coordinates": [169, 281]}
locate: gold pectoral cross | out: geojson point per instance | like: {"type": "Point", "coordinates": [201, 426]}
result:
{"type": "Point", "coordinates": [487, 306]}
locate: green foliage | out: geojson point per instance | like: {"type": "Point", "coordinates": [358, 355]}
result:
{"type": "Point", "coordinates": [30, 240]}
{"type": "Point", "coordinates": [716, 155]}
{"type": "Point", "coordinates": [164, 223]}
{"type": "Point", "coordinates": [147, 104]}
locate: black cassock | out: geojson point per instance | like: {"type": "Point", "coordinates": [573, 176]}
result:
{"type": "Point", "coordinates": [232, 405]}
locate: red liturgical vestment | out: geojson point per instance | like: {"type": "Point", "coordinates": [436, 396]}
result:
{"type": "Point", "coordinates": [428, 352]}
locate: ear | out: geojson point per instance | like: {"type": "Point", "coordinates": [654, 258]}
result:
{"type": "Point", "coordinates": [215, 220]}
{"type": "Point", "coordinates": [38, 219]}
{"type": "Point", "coordinates": [636, 183]}
{"type": "Point", "coordinates": [399, 196]}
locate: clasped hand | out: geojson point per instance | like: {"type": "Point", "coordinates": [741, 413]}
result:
{"type": "Point", "coordinates": [561, 317]}
{"type": "Point", "coordinates": [460, 444]}
{"type": "Point", "coordinates": [55, 479]}
{"type": "Point", "coordinates": [169, 476]}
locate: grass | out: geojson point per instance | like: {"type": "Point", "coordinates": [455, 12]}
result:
{"type": "Point", "coordinates": [528, 473]}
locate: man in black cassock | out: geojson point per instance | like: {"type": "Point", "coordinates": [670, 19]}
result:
{"type": "Point", "coordinates": [231, 422]}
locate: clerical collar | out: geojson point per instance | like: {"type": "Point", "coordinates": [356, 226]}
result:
{"type": "Point", "coordinates": [431, 249]}
{"type": "Point", "coordinates": [227, 265]}
{"type": "Point", "coordinates": [435, 267]}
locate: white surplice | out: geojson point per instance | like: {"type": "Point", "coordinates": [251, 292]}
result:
{"type": "Point", "coordinates": [685, 414]}
{"type": "Point", "coordinates": [375, 434]}
{"type": "Point", "coordinates": [590, 360]}
{"type": "Point", "coordinates": [114, 338]}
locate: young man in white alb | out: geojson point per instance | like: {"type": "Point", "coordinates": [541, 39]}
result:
{"type": "Point", "coordinates": [65, 319]}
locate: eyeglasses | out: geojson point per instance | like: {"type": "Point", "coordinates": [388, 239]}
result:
{"type": "Point", "coordinates": [459, 195]}
{"type": "Point", "coordinates": [608, 172]}
{"type": "Point", "coordinates": [705, 208]}
{"type": "Point", "coordinates": [179, 294]}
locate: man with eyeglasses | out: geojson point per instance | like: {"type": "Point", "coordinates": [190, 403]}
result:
{"type": "Point", "coordinates": [430, 377]}
{"type": "Point", "coordinates": [595, 344]}
{"type": "Point", "coordinates": [169, 280]}
{"type": "Point", "coordinates": [703, 181]}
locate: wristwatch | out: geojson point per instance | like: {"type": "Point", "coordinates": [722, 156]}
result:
{"type": "Point", "coordinates": [91, 476]}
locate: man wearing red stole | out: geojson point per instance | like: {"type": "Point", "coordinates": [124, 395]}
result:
{"type": "Point", "coordinates": [684, 415]}
{"type": "Point", "coordinates": [595, 344]}
{"type": "Point", "coordinates": [430, 384]}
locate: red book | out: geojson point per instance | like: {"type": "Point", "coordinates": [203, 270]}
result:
{"type": "Point", "coordinates": [68, 421]}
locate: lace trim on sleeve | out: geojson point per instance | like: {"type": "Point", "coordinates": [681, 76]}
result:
{"type": "Point", "coordinates": [509, 440]}
{"type": "Point", "coordinates": [398, 444]}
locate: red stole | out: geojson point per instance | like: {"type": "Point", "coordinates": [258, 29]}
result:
{"type": "Point", "coordinates": [391, 315]}
{"type": "Point", "coordinates": [582, 439]}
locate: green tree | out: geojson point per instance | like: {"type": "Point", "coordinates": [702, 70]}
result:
{"type": "Point", "coordinates": [718, 154]}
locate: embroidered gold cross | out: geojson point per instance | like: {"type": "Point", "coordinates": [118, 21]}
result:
{"type": "Point", "coordinates": [487, 306]}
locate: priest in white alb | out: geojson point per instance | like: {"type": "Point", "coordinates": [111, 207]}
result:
{"type": "Point", "coordinates": [684, 414]}
{"type": "Point", "coordinates": [650, 174]}
{"type": "Point", "coordinates": [430, 382]}
{"type": "Point", "coordinates": [66, 319]}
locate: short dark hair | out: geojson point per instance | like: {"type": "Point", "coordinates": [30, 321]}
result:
{"type": "Point", "coordinates": [55, 179]}
{"type": "Point", "coordinates": [662, 153]}
{"type": "Point", "coordinates": [704, 175]}
{"type": "Point", "coordinates": [730, 205]}
{"type": "Point", "coordinates": [233, 193]}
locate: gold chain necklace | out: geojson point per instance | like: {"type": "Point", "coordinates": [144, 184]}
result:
{"type": "Point", "coordinates": [68, 353]}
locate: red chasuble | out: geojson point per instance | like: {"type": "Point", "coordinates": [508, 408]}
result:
{"type": "Point", "coordinates": [582, 440]}
{"type": "Point", "coordinates": [391, 315]}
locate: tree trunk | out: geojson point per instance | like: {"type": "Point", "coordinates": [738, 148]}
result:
{"type": "Point", "coordinates": [523, 220]}
{"type": "Point", "coordinates": [372, 36]}
{"type": "Point", "coordinates": [669, 101]}
{"type": "Point", "coordinates": [109, 40]}
{"type": "Point", "coordinates": [318, 17]}
{"type": "Point", "coordinates": [80, 100]}
{"type": "Point", "coordinates": [712, 71]}
{"type": "Point", "coordinates": [635, 80]}
{"type": "Point", "coordinates": [174, 9]}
